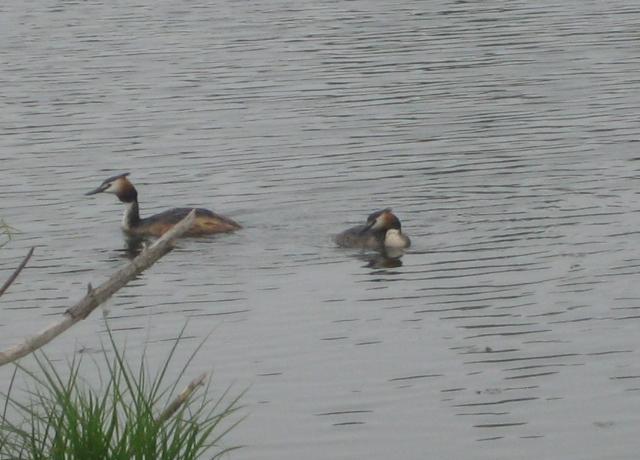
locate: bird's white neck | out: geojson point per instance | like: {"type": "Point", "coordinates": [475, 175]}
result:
{"type": "Point", "coordinates": [131, 215]}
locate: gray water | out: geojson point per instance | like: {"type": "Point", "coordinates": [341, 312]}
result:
{"type": "Point", "coordinates": [503, 134]}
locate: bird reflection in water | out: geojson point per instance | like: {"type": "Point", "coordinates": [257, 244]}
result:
{"type": "Point", "coordinates": [389, 258]}
{"type": "Point", "coordinates": [133, 246]}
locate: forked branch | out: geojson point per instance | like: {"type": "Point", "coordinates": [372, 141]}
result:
{"type": "Point", "coordinates": [96, 296]}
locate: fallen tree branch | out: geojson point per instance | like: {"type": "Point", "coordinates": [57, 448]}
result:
{"type": "Point", "coordinates": [179, 400]}
{"type": "Point", "coordinates": [16, 272]}
{"type": "Point", "coordinates": [97, 296]}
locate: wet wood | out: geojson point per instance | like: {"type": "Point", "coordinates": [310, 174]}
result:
{"type": "Point", "coordinates": [16, 272]}
{"type": "Point", "coordinates": [183, 397]}
{"type": "Point", "coordinates": [98, 295]}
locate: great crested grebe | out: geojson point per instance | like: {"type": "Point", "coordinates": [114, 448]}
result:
{"type": "Point", "coordinates": [206, 222]}
{"type": "Point", "coordinates": [382, 231]}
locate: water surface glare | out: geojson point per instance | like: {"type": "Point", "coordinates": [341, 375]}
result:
{"type": "Point", "coordinates": [503, 134]}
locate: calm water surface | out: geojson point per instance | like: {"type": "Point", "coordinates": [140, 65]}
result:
{"type": "Point", "coordinates": [504, 135]}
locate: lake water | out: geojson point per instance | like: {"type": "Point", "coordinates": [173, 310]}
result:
{"type": "Point", "coordinates": [503, 134]}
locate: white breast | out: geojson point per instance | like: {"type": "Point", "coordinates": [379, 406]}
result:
{"type": "Point", "coordinates": [394, 239]}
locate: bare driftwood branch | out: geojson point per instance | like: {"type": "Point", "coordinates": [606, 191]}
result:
{"type": "Point", "coordinates": [96, 296]}
{"type": "Point", "coordinates": [16, 272]}
{"type": "Point", "coordinates": [179, 400]}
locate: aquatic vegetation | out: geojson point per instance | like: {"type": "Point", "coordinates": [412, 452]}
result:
{"type": "Point", "coordinates": [7, 232]}
{"type": "Point", "coordinates": [130, 414]}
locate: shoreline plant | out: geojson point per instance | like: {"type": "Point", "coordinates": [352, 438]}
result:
{"type": "Point", "coordinates": [131, 414]}
{"type": "Point", "coordinates": [7, 232]}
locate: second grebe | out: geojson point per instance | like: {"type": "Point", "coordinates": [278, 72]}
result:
{"type": "Point", "coordinates": [206, 222]}
{"type": "Point", "coordinates": [382, 231]}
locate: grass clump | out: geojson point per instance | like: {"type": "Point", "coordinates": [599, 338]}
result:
{"type": "Point", "coordinates": [62, 417]}
{"type": "Point", "coordinates": [7, 232]}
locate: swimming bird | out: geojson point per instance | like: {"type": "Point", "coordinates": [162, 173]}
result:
{"type": "Point", "coordinates": [206, 222]}
{"type": "Point", "coordinates": [382, 231]}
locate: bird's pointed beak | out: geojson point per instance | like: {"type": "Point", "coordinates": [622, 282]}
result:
{"type": "Point", "coordinates": [100, 189]}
